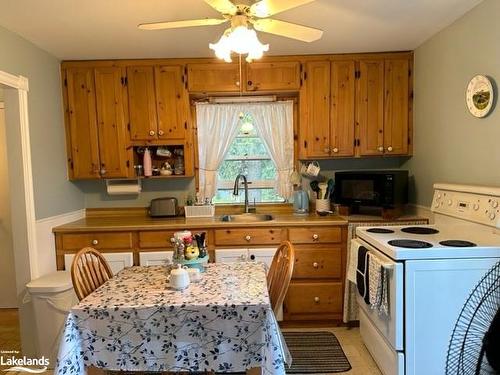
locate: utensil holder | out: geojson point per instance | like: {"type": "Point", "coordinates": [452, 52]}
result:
{"type": "Point", "coordinates": [322, 205]}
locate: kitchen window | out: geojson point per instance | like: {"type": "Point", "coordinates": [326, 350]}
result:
{"type": "Point", "coordinates": [253, 139]}
{"type": "Point", "coordinates": [249, 156]}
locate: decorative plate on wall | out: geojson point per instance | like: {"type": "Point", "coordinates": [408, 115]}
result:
{"type": "Point", "coordinates": [480, 96]}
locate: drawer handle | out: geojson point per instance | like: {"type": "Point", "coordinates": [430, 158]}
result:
{"type": "Point", "coordinates": [316, 299]}
{"type": "Point", "coordinates": [248, 237]}
{"type": "Point", "coordinates": [315, 237]}
{"type": "Point", "coordinates": [315, 265]}
{"type": "Point", "coordinates": [95, 242]}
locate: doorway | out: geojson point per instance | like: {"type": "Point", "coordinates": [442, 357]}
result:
{"type": "Point", "coordinates": [7, 291]}
{"type": "Point", "coordinates": [20, 202]}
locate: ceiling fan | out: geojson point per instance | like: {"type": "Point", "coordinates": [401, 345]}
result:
{"type": "Point", "coordinates": [240, 37]}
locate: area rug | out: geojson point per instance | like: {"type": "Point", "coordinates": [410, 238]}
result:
{"type": "Point", "coordinates": [315, 352]}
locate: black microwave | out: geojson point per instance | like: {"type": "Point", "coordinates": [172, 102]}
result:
{"type": "Point", "coordinates": [386, 189]}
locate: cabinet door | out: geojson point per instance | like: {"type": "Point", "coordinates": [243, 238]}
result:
{"type": "Point", "coordinates": [213, 78]}
{"type": "Point", "coordinates": [116, 261]}
{"type": "Point", "coordinates": [110, 121]}
{"type": "Point", "coordinates": [264, 255]}
{"type": "Point", "coordinates": [342, 114]}
{"type": "Point", "coordinates": [273, 76]}
{"type": "Point", "coordinates": [396, 107]}
{"type": "Point", "coordinates": [172, 102]}
{"type": "Point", "coordinates": [370, 107]}
{"type": "Point", "coordinates": [82, 123]}
{"type": "Point", "coordinates": [141, 103]}
{"type": "Point", "coordinates": [155, 258]}
{"type": "Point", "coordinates": [316, 124]}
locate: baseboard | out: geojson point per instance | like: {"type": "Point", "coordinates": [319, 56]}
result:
{"type": "Point", "coordinates": [45, 239]}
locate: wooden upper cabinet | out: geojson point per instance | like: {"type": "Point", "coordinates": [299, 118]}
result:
{"type": "Point", "coordinates": [141, 103]}
{"type": "Point", "coordinates": [113, 152]}
{"type": "Point", "coordinates": [216, 77]}
{"type": "Point", "coordinates": [81, 123]}
{"type": "Point", "coordinates": [397, 73]}
{"type": "Point", "coordinates": [273, 76]}
{"type": "Point", "coordinates": [172, 102]}
{"type": "Point", "coordinates": [370, 107]}
{"type": "Point", "coordinates": [315, 124]}
{"type": "Point", "coordinates": [342, 110]}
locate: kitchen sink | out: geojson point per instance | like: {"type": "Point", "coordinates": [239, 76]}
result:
{"type": "Point", "coordinates": [247, 218]}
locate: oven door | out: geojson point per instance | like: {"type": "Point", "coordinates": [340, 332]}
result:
{"type": "Point", "coordinates": [390, 327]}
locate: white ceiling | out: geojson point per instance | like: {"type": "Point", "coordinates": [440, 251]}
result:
{"type": "Point", "coordinates": [105, 29]}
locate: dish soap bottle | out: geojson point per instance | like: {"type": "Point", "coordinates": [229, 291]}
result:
{"type": "Point", "coordinates": [146, 161]}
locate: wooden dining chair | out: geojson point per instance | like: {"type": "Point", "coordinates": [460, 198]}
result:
{"type": "Point", "coordinates": [280, 274]}
{"type": "Point", "coordinates": [89, 271]}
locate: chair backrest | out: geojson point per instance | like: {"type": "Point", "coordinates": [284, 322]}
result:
{"type": "Point", "coordinates": [89, 271]}
{"type": "Point", "coordinates": [280, 274]}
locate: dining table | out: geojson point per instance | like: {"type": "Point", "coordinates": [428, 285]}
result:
{"type": "Point", "coordinates": [136, 322]}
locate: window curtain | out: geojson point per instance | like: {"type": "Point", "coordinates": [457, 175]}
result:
{"type": "Point", "coordinates": [274, 124]}
{"type": "Point", "coordinates": [217, 127]}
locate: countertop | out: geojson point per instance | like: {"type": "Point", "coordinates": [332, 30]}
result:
{"type": "Point", "coordinates": [142, 222]}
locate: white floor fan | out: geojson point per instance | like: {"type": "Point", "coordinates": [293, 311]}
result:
{"type": "Point", "coordinates": [249, 13]}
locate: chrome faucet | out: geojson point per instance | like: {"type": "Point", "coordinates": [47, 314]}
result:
{"type": "Point", "coordinates": [236, 189]}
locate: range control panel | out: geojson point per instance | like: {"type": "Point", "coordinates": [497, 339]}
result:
{"type": "Point", "coordinates": [480, 208]}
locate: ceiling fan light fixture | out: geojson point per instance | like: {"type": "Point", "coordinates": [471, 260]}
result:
{"type": "Point", "coordinates": [241, 40]}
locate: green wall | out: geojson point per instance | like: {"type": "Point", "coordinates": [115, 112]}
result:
{"type": "Point", "coordinates": [53, 193]}
{"type": "Point", "coordinates": [450, 144]}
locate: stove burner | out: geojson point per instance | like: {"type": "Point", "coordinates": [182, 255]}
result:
{"type": "Point", "coordinates": [380, 230]}
{"type": "Point", "coordinates": [411, 244]}
{"type": "Point", "coordinates": [458, 243]}
{"type": "Point", "coordinates": [419, 230]}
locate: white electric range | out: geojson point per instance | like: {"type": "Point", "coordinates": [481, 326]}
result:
{"type": "Point", "coordinates": [432, 271]}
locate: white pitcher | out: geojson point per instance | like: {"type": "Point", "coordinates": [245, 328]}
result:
{"type": "Point", "coordinates": [179, 278]}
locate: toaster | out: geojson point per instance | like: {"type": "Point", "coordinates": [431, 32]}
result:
{"type": "Point", "coordinates": [163, 207]}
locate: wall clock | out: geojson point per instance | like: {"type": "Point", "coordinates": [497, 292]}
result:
{"type": "Point", "coordinates": [479, 96]}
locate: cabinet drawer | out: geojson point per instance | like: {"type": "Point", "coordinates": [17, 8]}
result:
{"type": "Point", "coordinates": [317, 262]}
{"type": "Point", "coordinates": [152, 239]}
{"type": "Point", "coordinates": [310, 298]}
{"type": "Point", "coordinates": [117, 240]}
{"type": "Point", "coordinates": [315, 235]}
{"type": "Point", "coordinates": [248, 236]}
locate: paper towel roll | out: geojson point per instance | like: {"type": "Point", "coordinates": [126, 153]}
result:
{"type": "Point", "coordinates": [123, 187]}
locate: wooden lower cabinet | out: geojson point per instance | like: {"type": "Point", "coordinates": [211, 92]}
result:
{"type": "Point", "coordinates": [314, 301]}
{"type": "Point", "coordinates": [316, 289]}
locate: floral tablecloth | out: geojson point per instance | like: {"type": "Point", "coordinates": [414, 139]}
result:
{"type": "Point", "coordinates": [135, 321]}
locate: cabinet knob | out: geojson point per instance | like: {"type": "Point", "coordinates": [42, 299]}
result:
{"type": "Point", "coordinates": [335, 150]}
{"type": "Point", "coordinates": [252, 257]}
{"type": "Point", "coordinates": [103, 171]}
{"type": "Point", "coordinates": [250, 83]}
{"type": "Point", "coordinates": [315, 265]}
{"type": "Point", "coordinates": [315, 236]}
{"type": "Point", "coordinates": [152, 132]}
{"type": "Point", "coordinates": [248, 237]}
{"type": "Point", "coordinates": [380, 148]}
{"type": "Point", "coordinates": [160, 132]}
{"type": "Point", "coordinates": [237, 83]}
{"type": "Point", "coordinates": [389, 148]}
{"type": "Point", "coordinates": [95, 242]}
{"type": "Point", "coordinates": [316, 299]}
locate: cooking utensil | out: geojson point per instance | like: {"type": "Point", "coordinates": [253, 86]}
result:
{"type": "Point", "coordinates": [329, 190]}
{"type": "Point", "coordinates": [315, 188]}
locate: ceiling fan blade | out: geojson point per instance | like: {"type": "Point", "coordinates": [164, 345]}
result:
{"type": "Point", "coordinates": [266, 8]}
{"type": "Point", "coordinates": [179, 24]}
{"type": "Point", "coordinates": [223, 6]}
{"type": "Point", "coordinates": [288, 29]}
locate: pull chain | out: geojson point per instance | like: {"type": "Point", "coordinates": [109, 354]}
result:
{"type": "Point", "coordinates": [241, 83]}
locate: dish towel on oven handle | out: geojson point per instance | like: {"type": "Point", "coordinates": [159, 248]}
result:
{"type": "Point", "coordinates": [362, 274]}
{"type": "Point", "coordinates": [378, 285]}
{"type": "Point", "coordinates": [352, 262]}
